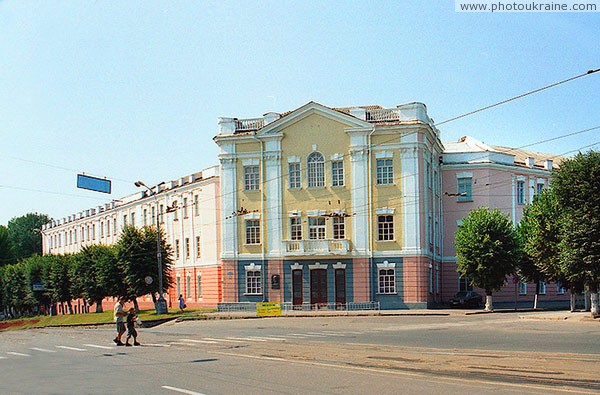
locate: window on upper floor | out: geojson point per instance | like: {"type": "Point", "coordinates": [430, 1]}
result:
{"type": "Point", "coordinates": [252, 231]}
{"type": "Point", "coordinates": [196, 206]}
{"type": "Point", "coordinates": [296, 228]}
{"type": "Point", "coordinates": [316, 228]}
{"type": "Point", "coordinates": [185, 207]}
{"type": "Point", "coordinates": [187, 247]}
{"type": "Point", "coordinates": [145, 217]}
{"type": "Point", "coordinates": [251, 178]}
{"type": "Point", "coordinates": [385, 171]}
{"type": "Point", "coordinates": [385, 227]}
{"type": "Point", "coordinates": [520, 192]}
{"type": "Point", "coordinates": [465, 189]}
{"type": "Point", "coordinates": [339, 228]}
{"type": "Point", "coordinates": [177, 251]}
{"type": "Point", "coordinates": [295, 180]}
{"type": "Point", "coordinates": [337, 173]}
{"type": "Point", "coordinates": [198, 247]}
{"type": "Point", "coordinates": [539, 188]}
{"type": "Point", "coordinates": [174, 209]}
{"type": "Point", "coordinates": [316, 170]}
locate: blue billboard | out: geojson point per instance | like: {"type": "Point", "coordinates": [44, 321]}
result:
{"type": "Point", "coordinates": [93, 183]}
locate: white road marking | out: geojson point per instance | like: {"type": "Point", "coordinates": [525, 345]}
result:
{"type": "Point", "coordinates": [330, 333]}
{"type": "Point", "coordinates": [247, 338]}
{"type": "Point", "coordinates": [42, 349]}
{"type": "Point", "coordinates": [71, 348]}
{"type": "Point", "coordinates": [2, 357]}
{"type": "Point", "coordinates": [199, 341]}
{"type": "Point", "coordinates": [98, 346]}
{"type": "Point", "coordinates": [224, 340]}
{"type": "Point", "coordinates": [267, 338]}
{"type": "Point", "coordinates": [181, 390]}
{"type": "Point", "coordinates": [307, 334]}
{"type": "Point", "coordinates": [18, 354]}
{"type": "Point", "coordinates": [156, 345]}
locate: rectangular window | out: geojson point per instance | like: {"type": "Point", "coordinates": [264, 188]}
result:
{"type": "Point", "coordinates": [174, 209]}
{"type": "Point", "coordinates": [296, 228]}
{"type": "Point", "coordinates": [294, 175]}
{"type": "Point", "coordinates": [107, 227]}
{"type": "Point", "coordinates": [522, 287]}
{"type": "Point", "coordinates": [339, 228]}
{"type": "Point", "coordinates": [153, 214]}
{"type": "Point", "coordinates": [543, 287]}
{"type": "Point", "coordinates": [161, 210]}
{"type": "Point", "coordinates": [177, 251]}
{"type": "Point", "coordinates": [101, 229]}
{"type": "Point", "coordinates": [145, 218]}
{"type": "Point", "coordinates": [385, 171]}
{"type": "Point", "coordinates": [178, 285]}
{"type": "Point", "coordinates": [560, 290]}
{"type": "Point", "coordinates": [196, 206]}
{"type": "Point", "coordinates": [464, 284]}
{"type": "Point", "coordinates": [187, 247]}
{"type": "Point", "coordinates": [188, 286]}
{"type": "Point", "coordinates": [253, 231]}
{"type": "Point", "coordinates": [75, 236]}
{"type": "Point", "coordinates": [316, 228]}
{"type": "Point", "coordinates": [125, 220]}
{"type": "Point", "coordinates": [114, 226]}
{"type": "Point", "coordinates": [521, 192]}
{"type": "Point", "coordinates": [253, 282]}
{"type": "Point", "coordinates": [465, 189]}
{"type": "Point", "coordinates": [197, 246]}
{"type": "Point", "coordinates": [132, 219]}
{"type": "Point", "coordinates": [199, 285]}
{"type": "Point", "coordinates": [82, 234]}
{"type": "Point", "coordinates": [539, 188]}
{"type": "Point", "coordinates": [385, 227]}
{"type": "Point", "coordinates": [93, 232]}
{"type": "Point", "coordinates": [185, 207]}
{"type": "Point", "coordinates": [337, 173]}
{"type": "Point", "coordinates": [251, 178]}
{"type": "Point", "coordinates": [387, 281]}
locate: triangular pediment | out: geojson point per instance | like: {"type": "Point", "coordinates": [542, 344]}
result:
{"type": "Point", "coordinates": [310, 109]}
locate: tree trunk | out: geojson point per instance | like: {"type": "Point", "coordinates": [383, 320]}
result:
{"type": "Point", "coordinates": [595, 308]}
{"type": "Point", "coordinates": [573, 300]}
{"type": "Point", "coordinates": [99, 308]}
{"type": "Point", "coordinates": [537, 292]}
{"type": "Point", "coordinates": [488, 301]}
{"type": "Point", "coordinates": [70, 305]}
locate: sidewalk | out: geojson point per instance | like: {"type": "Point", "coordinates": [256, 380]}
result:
{"type": "Point", "coordinates": [523, 314]}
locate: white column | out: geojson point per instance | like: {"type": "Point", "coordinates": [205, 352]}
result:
{"type": "Point", "coordinates": [228, 206]}
{"type": "Point", "coordinates": [411, 225]}
{"type": "Point", "coordinates": [360, 199]}
{"type": "Point", "coordinates": [273, 190]}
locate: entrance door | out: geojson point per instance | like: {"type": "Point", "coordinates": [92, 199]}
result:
{"type": "Point", "coordinates": [297, 288]}
{"type": "Point", "coordinates": [340, 287]}
{"type": "Point", "coordinates": [318, 286]}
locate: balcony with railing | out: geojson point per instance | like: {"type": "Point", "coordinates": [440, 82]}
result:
{"type": "Point", "coordinates": [317, 247]}
{"type": "Point", "coordinates": [248, 124]}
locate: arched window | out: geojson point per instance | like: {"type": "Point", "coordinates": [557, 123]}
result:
{"type": "Point", "coordinates": [316, 170]}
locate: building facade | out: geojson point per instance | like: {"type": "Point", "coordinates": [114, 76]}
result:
{"type": "Point", "coordinates": [478, 175]}
{"type": "Point", "coordinates": [188, 211]}
{"type": "Point", "coordinates": [331, 206]}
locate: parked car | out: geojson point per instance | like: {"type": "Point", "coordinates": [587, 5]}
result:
{"type": "Point", "coordinates": [466, 299]}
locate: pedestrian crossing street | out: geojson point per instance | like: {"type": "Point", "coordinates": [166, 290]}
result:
{"type": "Point", "coordinates": [183, 342]}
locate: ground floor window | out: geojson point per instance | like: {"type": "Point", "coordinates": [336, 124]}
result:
{"type": "Point", "coordinates": [543, 287]}
{"type": "Point", "coordinates": [198, 285]}
{"type": "Point", "coordinates": [559, 288]}
{"type": "Point", "coordinates": [464, 284]}
{"type": "Point", "coordinates": [253, 282]}
{"type": "Point", "coordinates": [387, 281]}
{"type": "Point", "coordinates": [522, 287]}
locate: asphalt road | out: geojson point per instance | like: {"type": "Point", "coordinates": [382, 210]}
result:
{"type": "Point", "coordinates": [497, 353]}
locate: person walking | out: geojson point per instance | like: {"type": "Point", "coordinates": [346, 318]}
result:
{"type": "Point", "coordinates": [118, 315]}
{"type": "Point", "coordinates": [131, 332]}
{"type": "Point", "coordinates": [181, 303]}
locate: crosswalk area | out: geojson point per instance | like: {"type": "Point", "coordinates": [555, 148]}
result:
{"type": "Point", "coordinates": [182, 342]}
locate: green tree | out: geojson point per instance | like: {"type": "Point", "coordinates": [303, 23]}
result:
{"type": "Point", "coordinates": [538, 233]}
{"type": "Point", "coordinates": [15, 289]}
{"type": "Point", "coordinates": [25, 234]}
{"type": "Point", "coordinates": [37, 269]}
{"type": "Point", "coordinates": [136, 251]}
{"type": "Point", "coordinates": [6, 252]}
{"type": "Point", "coordinates": [87, 279]}
{"type": "Point", "coordinates": [486, 250]}
{"type": "Point", "coordinates": [60, 280]}
{"type": "Point", "coordinates": [577, 187]}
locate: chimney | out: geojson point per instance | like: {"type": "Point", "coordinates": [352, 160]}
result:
{"type": "Point", "coordinates": [226, 125]}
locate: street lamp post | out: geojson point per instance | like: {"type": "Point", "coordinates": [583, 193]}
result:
{"type": "Point", "coordinates": [161, 303]}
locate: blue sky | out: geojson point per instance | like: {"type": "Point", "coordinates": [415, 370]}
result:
{"type": "Point", "coordinates": [132, 90]}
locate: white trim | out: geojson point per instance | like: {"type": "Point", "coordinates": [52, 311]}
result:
{"type": "Point", "coordinates": [318, 265]}
{"type": "Point", "coordinates": [250, 162]}
{"type": "Point", "coordinates": [384, 155]}
{"type": "Point", "coordinates": [386, 265]}
{"type": "Point", "coordinates": [316, 213]}
{"type": "Point", "coordinates": [338, 265]}
{"type": "Point", "coordinates": [295, 213]}
{"type": "Point", "coordinates": [521, 178]}
{"type": "Point", "coordinates": [337, 157]}
{"type": "Point", "coordinates": [385, 211]}
{"type": "Point", "coordinates": [252, 216]}
{"type": "Point", "coordinates": [464, 174]}
{"type": "Point", "coordinates": [296, 266]}
{"type": "Point", "coordinates": [252, 267]}
{"type": "Point", "coordinates": [294, 159]}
